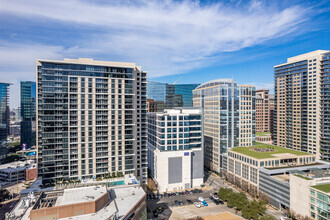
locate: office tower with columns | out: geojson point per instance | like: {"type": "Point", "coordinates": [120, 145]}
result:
{"type": "Point", "coordinates": [28, 113]}
{"type": "Point", "coordinates": [229, 118]}
{"type": "Point", "coordinates": [91, 119]}
{"type": "Point", "coordinates": [302, 120]}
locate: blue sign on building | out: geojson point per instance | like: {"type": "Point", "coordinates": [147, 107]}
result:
{"type": "Point", "coordinates": [186, 153]}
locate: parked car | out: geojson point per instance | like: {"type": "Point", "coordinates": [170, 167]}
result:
{"type": "Point", "coordinates": [181, 203]}
{"type": "Point", "coordinates": [189, 201]}
{"type": "Point", "coordinates": [215, 197]}
{"type": "Point", "coordinates": [202, 205]}
{"type": "Point", "coordinates": [197, 204]}
{"type": "Point", "coordinates": [200, 191]}
{"type": "Point", "coordinates": [176, 193]}
{"type": "Point", "coordinates": [201, 199]}
{"type": "Point", "coordinates": [176, 202]}
{"type": "Point", "coordinates": [205, 203]}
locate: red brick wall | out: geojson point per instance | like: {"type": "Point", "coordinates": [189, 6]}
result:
{"type": "Point", "coordinates": [31, 174]}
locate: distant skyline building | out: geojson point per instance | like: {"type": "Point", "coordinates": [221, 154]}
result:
{"type": "Point", "coordinates": [28, 113]}
{"type": "Point", "coordinates": [229, 118]}
{"type": "Point", "coordinates": [175, 148]}
{"type": "Point", "coordinates": [4, 118]}
{"type": "Point", "coordinates": [264, 110]}
{"type": "Point", "coordinates": [302, 109]}
{"type": "Point", "coordinates": [91, 119]}
{"type": "Point", "coordinates": [185, 92]}
{"type": "Point", "coordinates": [173, 95]}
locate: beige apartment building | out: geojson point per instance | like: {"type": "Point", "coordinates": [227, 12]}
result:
{"type": "Point", "coordinates": [264, 110]}
{"type": "Point", "coordinates": [302, 103]}
{"type": "Point", "coordinates": [228, 118]}
{"type": "Point", "coordinates": [91, 119]}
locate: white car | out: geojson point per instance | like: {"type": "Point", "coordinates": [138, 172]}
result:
{"type": "Point", "coordinates": [197, 204]}
{"type": "Point", "coordinates": [215, 197]}
{"type": "Point", "coordinates": [201, 199]}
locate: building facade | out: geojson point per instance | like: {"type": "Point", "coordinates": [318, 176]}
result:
{"type": "Point", "coordinates": [264, 110]}
{"type": "Point", "coordinates": [91, 119]}
{"type": "Point", "coordinates": [175, 148]}
{"type": "Point", "coordinates": [184, 91]}
{"type": "Point", "coordinates": [28, 113]}
{"type": "Point", "coordinates": [171, 95]}
{"type": "Point", "coordinates": [159, 91]}
{"type": "Point", "coordinates": [310, 194]}
{"type": "Point", "coordinates": [246, 115]}
{"type": "Point", "coordinates": [155, 106]}
{"type": "Point", "coordinates": [223, 109]}
{"type": "Point", "coordinates": [4, 118]}
{"type": "Point", "coordinates": [302, 103]}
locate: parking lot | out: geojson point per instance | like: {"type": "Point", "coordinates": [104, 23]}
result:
{"type": "Point", "coordinates": [169, 205]}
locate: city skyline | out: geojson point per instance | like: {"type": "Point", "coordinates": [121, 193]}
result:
{"type": "Point", "coordinates": [244, 44]}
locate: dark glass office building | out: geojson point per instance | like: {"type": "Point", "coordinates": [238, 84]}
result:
{"type": "Point", "coordinates": [185, 92]}
{"type": "Point", "coordinates": [173, 95]}
{"type": "Point", "coordinates": [28, 113]}
{"type": "Point", "coordinates": [4, 118]}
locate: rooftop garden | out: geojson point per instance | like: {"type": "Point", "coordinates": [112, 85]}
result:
{"type": "Point", "coordinates": [303, 177]}
{"type": "Point", "coordinates": [262, 133]}
{"type": "Point", "coordinates": [324, 187]}
{"type": "Point", "coordinates": [249, 151]}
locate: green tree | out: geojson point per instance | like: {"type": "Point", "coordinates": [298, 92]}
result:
{"type": "Point", "coordinates": [249, 211]}
{"type": "Point", "coordinates": [225, 193]}
{"type": "Point", "coordinates": [267, 217]}
{"type": "Point", "coordinates": [4, 194]}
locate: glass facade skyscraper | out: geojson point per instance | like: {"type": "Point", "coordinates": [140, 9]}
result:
{"type": "Point", "coordinates": [185, 91]}
{"type": "Point", "coordinates": [28, 113]}
{"type": "Point", "coordinates": [159, 91]}
{"type": "Point", "coordinates": [91, 119]}
{"type": "Point", "coordinates": [173, 95]}
{"type": "Point", "coordinates": [229, 121]}
{"type": "Point", "coordinates": [4, 117]}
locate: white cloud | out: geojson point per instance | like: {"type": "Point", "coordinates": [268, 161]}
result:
{"type": "Point", "coordinates": [164, 37]}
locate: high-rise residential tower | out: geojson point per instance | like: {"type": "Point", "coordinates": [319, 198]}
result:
{"type": "Point", "coordinates": [91, 119]}
{"type": "Point", "coordinates": [28, 113]}
{"type": "Point", "coordinates": [224, 103]}
{"type": "Point", "coordinates": [4, 117]}
{"type": "Point", "coordinates": [175, 148]}
{"type": "Point", "coordinates": [302, 103]}
{"type": "Point", "coordinates": [264, 110]}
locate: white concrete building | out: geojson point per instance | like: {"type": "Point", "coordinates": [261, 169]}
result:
{"type": "Point", "coordinates": [175, 148]}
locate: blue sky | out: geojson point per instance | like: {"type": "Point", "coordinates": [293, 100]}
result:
{"type": "Point", "coordinates": [195, 40]}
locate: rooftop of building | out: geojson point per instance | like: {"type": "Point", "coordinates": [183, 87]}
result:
{"type": "Point", "coordinates": [303, 57]}
{"type": "Point", "coordinates": [17, 165]}
{"type": "Point", "coordinates": [323, 187]}
{"type": "Point", "coordinates": [89, 61]}
{"type": "Point", "coordinates": [315, 170]}
{"type": "Point", "coordinates": [215, 82]}
{"type": "Point", "coordinates": [79, 195]}
{"type": "Point", "coordinates": [123, 199]}
{"type": "Point", "coordinates": [179, 110]}
{"type": "Point", "coordinates": [270, 151]}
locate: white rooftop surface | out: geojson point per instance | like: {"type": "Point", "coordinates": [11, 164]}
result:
{"type": "Point", "coordinates": [79, 195]}
{"type": "Point", "coordinates": [126, 198]}
{"type": "Point", "coordinates": [17, 165]}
